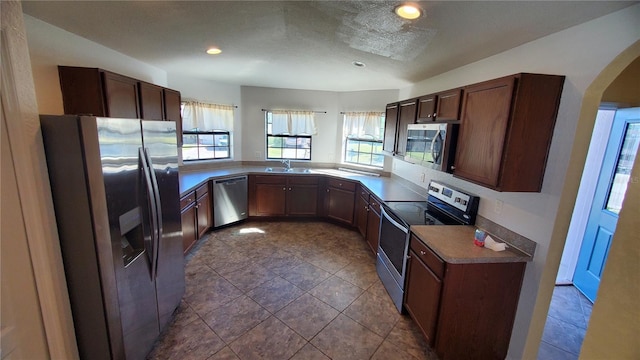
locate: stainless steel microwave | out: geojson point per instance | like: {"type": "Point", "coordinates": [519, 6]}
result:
{"type": "Point", "coordinates": [432, 145]}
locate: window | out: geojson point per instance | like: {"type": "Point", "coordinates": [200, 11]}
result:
{"type": "Point", "coordinates": [202, 145]}
{"type": "Point", "coordinates": [289, 134]}
{"type": "Point", "coordinates": [206, 131]}
{"type": "Point", "coordinates": [363, 133]}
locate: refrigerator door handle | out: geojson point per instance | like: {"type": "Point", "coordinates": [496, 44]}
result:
{"type": "Point", "coordinates": [159, 227]}
{"type": "Point", "coordinates": [154, 211]}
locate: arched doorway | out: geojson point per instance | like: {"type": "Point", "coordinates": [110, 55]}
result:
{"type": "Point", "coordinates": [620, 255]}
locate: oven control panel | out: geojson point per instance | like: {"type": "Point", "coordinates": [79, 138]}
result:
{"type": "Point", "coordinates": [450, 196]}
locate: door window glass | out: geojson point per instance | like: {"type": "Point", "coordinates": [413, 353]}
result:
{"type": "Point", "coordinates": [622, 174]}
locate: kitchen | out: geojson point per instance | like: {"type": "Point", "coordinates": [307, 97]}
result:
{"type": "Point", "coordinates": [540, 211]}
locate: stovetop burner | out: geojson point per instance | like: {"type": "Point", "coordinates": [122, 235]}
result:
{"type": "Point", "coordinates": [445, 205]}
{"type": "Point", "coordinates": [417, 213]}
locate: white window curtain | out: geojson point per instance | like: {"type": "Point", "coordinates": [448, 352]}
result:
{"type": "Point", "coordinates": [206, 117]}
{"type": "Point", "coordinates": [293, 122]}
{"type": "Point", "coordinates": [363, 125]}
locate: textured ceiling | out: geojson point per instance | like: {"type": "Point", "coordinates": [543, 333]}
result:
{"type": "Point", "coordinates": [312, 44]}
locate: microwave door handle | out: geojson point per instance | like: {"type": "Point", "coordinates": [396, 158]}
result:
{"type": "Point", "coordinates": [434, 154]}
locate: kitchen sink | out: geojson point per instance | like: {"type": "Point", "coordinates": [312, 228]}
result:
{"type": "Point", "coordinates": [285, 170]}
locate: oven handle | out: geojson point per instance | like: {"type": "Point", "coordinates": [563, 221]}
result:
{"type": "Point", "coordinates": [388, 215]}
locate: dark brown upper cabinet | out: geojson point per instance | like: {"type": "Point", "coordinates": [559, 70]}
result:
{"type": "Point", "coordinates": [443, 106]}
{"type": "Point", "coordinates": [151, 101]}
{"type": "Point", "coordinates": [98, 92]}
{"type": "Point", "coordinates": [407, 116]}
{"type": "Point", "coordinates": [390, 129]}
{"type": "Point", "coordinates": [172, 102]}
{"type": "Point", "coordinates": [506, 130]}
{"type": "Point", "coordinates": [91, 91]}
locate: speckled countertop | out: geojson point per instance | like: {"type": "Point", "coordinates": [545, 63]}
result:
{"type": "Point", "coordinates": [454, 244]}
{"type": "Point", "coordinates": [386, 189]}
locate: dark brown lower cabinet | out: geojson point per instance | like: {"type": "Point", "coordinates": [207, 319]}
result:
{"type": "Point", "coordinates": [189, 225]}
{"type": "Point", "coordinates": [302, 196]}
{"type": "Point", "coordinates": [373, 224]}
{"type": "Point", "coordinates": [280, 195]}
{"type": "Point", "coordinates": [465, 311]}
{"type": "Point", "coordinates": [197, 215]}
{"type": "Point", "coordinates": [362, 212]}
{"type": "Point", "coordinates": [205, 213]}
{"type": "Point", "coordinates": [422, 296]}
{"type": "Point", "coordinates": [340, 200]}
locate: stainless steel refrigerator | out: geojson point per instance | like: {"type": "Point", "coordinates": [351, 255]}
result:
{"type": "Point", "coordinates": [116, 198]}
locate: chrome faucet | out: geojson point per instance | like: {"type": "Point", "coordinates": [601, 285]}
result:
{"type": "Point", "coordinates": [287, 164]}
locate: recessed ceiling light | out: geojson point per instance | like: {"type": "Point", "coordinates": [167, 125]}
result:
{"type": "Point", "coordinates": [213, 51]}
{"type": "Point", "coordinates": [358, 63]}
{"type": "Point", "coordinates": [408, 11]}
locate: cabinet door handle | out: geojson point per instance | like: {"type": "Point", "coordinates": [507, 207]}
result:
{"type": "Point", "coordinates": [434, 114]}
{"type": "Point", "coordinates": [289, 189]}
{"type": "Point", "coordinates": [284, 189]}
{"type": "Point", "coordinates": [327, 190]}
{"type": "Point", "coordinates": [422, 252]}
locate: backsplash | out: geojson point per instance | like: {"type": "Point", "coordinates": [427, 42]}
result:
{"type": "Point", "coordinates": [503, 234]}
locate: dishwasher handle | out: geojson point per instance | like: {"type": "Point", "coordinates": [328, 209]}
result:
{"type": "Point", "coordinates": [231, 181]}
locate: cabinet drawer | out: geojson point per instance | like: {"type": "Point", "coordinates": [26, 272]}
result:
{"type": "Point", "coordinates": [374, 204]}
{"type": "Point", "coordinates": [187, 199]}
{"type": "Point", "coordinates": [202, 190]}
{"type": "Point", "coordinates": [304, 180]}
{"type": "Point", "coordinates": [341, 184]}
{"type": "Point", "coordinates": [427, 256]}
{"type": "Point", "coordinates": [364, 194]}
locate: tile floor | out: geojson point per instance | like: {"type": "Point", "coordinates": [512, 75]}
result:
{"type": "Point", "coordinates": [566, 324]}
{"type": "Point", "coordinates": [286, 290]}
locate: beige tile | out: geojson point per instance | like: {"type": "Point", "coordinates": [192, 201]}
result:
{"type": "Point", "coordinates": [310, 352]}
{"type": "Point", "coordinates": [183, 315]}
{"type": "Point", "coordinates": [328, 260]}
{"type": "Point", "coordinates": [227, 262]}
{"type": "Point", "coordinates": [280, 262]}
{"type": "Point", "coordinates": [249, 277]}
{"type": "Point", "coordinates": [193, 341]}
{"type": "Point", "coordinates": [307, 315]}
{"type": "Point", "coordinates": [360, 275]}
{"type": "Point", "coordinates": [225, 354]}
{"type": "Point", "coordinates": [373, 313]}
{"type": "Point", "coordinates": [235, 318]}
{"type": "Point", "coordinates": [306, 276]}
{"type": "Point", "coordinates": [271, 339]}
{"type": "Point", "coordinates": [407, 336]}
{"type": "Point", "coordinates": [275, 294]}
{"type": "Point", "coordinates": [210, 294]}
{"type": "Point", "coordinates": [336, 292]}
{"type": "Point", "coordinates": [344, 338]}
{"type": "Point", "coordinates": [388, 351]}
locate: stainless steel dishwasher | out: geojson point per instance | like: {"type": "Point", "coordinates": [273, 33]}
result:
{"type": "Point", "coordinates": [229, 200]}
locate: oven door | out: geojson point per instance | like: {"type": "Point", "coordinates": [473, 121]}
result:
{"type": "Point", "coordinates": [392, 254]}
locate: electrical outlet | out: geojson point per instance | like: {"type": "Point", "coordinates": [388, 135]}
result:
{"type": "Point", "coordinates": [499, 205]}
{"type": "Point", "coordinates": [258, 155]}
{"type": "Point", "coordinates": [422, 177]}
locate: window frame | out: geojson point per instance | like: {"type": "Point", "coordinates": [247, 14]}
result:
{"type": "Point", "coordinates": [197, 133]}
{"type": "Point", "coordinates": [366, 138]}
{"type": "Point", "coordinates": [297, 138]}
{"type": "Point", "coordinates": [371, 154]}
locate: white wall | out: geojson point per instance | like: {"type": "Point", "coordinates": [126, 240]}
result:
{"type": "Point", "coordinates": [50, 46]}
{"type": "Point", "coordinates": [580, 53]}
{"type": "Point", "coordinates": [327, 143]}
